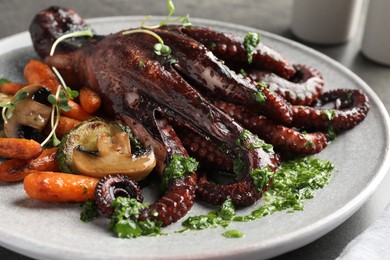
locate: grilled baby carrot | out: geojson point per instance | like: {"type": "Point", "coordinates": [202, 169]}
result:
{"type": "Point", "coordinates": [17, 169]}
{"type": "Point", "coordinates": [89, 100]}
{"type": "Point", "coordinates": [10, 88]}
{"type": "Point", "coordinates": [59, 187]}
{"type": "Point", "coordinates": [37, 72]}
{"type": "Point", "coordinates": [19, 148]}
{"type": "Point", "coordinates": [76, 112]}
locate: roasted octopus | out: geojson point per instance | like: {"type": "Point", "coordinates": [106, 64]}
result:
{"type": "Point", "coordinates": [195, 102]}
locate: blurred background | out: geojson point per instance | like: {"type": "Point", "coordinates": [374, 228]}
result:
{"type": "Point", "coordinates": [268, 15]}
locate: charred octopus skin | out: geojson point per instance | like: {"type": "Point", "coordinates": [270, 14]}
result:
{"type": "Point", "coordinates": [194, 93]}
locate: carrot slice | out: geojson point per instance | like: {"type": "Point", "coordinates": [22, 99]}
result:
{"type": "Point", "coordinates": [59, 187]}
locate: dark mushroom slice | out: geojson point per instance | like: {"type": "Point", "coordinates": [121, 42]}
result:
{"type": "Point", "coordinates": [30, 114]}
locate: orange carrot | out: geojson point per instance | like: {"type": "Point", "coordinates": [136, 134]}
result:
{"type": "Point", "coordinates": [65, 124]}
{"type": "Point", "coordinates": [45, 162]}
{"type": "Point", "coordinates": [59, 187]}
{"type": "Point", "coordinates": [10, 88]}
{"type": "Point", "coordinates": [17, 169]}
{"type": "Point", "coordinates": [19, 148]}
{"type": "Point", "coordinates": [89, 100]}
{"type": "Point", "coordinates": [76, 112]}
{"type": "Point", "coordinates": [37, 72]}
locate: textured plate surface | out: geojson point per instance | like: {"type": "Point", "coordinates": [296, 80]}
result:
{"type": "Point", "coordinates": [54, 231]}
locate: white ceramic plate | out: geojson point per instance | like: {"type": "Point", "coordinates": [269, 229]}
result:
{"type": "Point", "coordinates": [47, 230]}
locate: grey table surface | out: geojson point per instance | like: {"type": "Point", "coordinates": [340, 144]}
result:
{"type": "Point", "coordinates": [268, 15]}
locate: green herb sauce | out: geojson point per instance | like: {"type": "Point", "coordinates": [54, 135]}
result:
{"type": "Point", "coordinates": [251, 40]}
{"type": "Point", "coordinates": [89, 211]}
{"type": "Point", "coordinates": [233, 234]}
{"type": "Point", "coordinates": [293, 183]}
{"type": "Point", "coordinates": [124, 222]}
{"type": "Point", "coordinates": [251, 141]}
{"type": "Point", "coordinates": [179, 166]}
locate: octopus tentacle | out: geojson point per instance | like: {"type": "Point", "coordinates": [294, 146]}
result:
{"type": "Point", "coordinates": [303, 88]}
{"type": "Point", "coordinates": [281, 137]}
{"type": "Point", "coordinates": [204, 69]}
{"type": "Point", "coordinates": [180, 195]}
{"type": "Point", "coordinates": [205, 151]}
{"type": "Point", "coordinates": [242, 193]}
{"type": "Point", "coordinates": [353, 110]}
{"type": "Point", "coordinates": [228, 47]}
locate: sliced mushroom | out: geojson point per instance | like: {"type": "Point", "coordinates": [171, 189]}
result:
{"type": "Point", "coordinates": [114, 157]}
{"type": "Point", "coordinates": [30, 114]}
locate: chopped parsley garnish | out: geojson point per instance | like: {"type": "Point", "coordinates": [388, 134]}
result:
{"type": "Point", "coordinates": [243, 73]}
{"type": "Point", "coordinates": [331, 133]}
{"type": "Point", "coordinates": [238, 166]}
{"type": "Point", "coordinates": [124, 222]}
{"type": "Point", "coordinates": [260, 97]}
{"type": "Point", "coordinates": [293, 183]}
{"type": "Point", "coordinates": [251, 141]}
{"type": "Point", "coordinates": [330, 114]}
{"type": "Point", "coordinates": [261, 177]}
{"type": "Point", "coordinates": [251, 40]}
{"type": "Point", "coordinates": [179, 166]}
{"type": "Point", "coordinates": [233, 234]}
{"type": "Point", "coordinates": [213, 219]}
{"type": "Point", "coordinates": [89, 212]}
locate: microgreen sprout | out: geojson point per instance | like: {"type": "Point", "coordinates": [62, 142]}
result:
{"type": "Point", "coordinates": [159, 48]}
{"type": "Point", "coordinates": [9, 107]}
{"type": "Point", "coordinates": [185, 20]}
{"type": "Point", "coordinates": [59, 101]}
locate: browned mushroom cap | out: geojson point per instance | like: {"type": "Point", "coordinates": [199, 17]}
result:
{"type": "Point", "coordinates": [30, 114]}
{"type": "Point", "coordinates": [114, 157]}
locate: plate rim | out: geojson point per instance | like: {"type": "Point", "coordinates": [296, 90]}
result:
{"type": "Point", "coordinates": [302, 236]}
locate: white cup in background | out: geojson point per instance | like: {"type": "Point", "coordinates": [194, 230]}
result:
{"type": "Point", "coordinates": [326, 21]}
{"type": "Point", "coordinates": [376, 38]}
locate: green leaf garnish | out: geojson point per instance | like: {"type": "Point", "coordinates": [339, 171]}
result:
{"type": "Point", "coordinates": [71, 93]}
{"type": "Point", "coordinates": [3, 81]}
{"type": "Point", "coordinates": [52, 99]}
{"type": "Point", "coordinates": [63, 104]}
{"type": "Point", "coordinates": [59, 101]}
{"type": "Point", "coordinates": [9, 107]}
{"type": "Point", "coordinates": [162, 49]}
{"type": "Point", "coordinates": [251, 40]}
